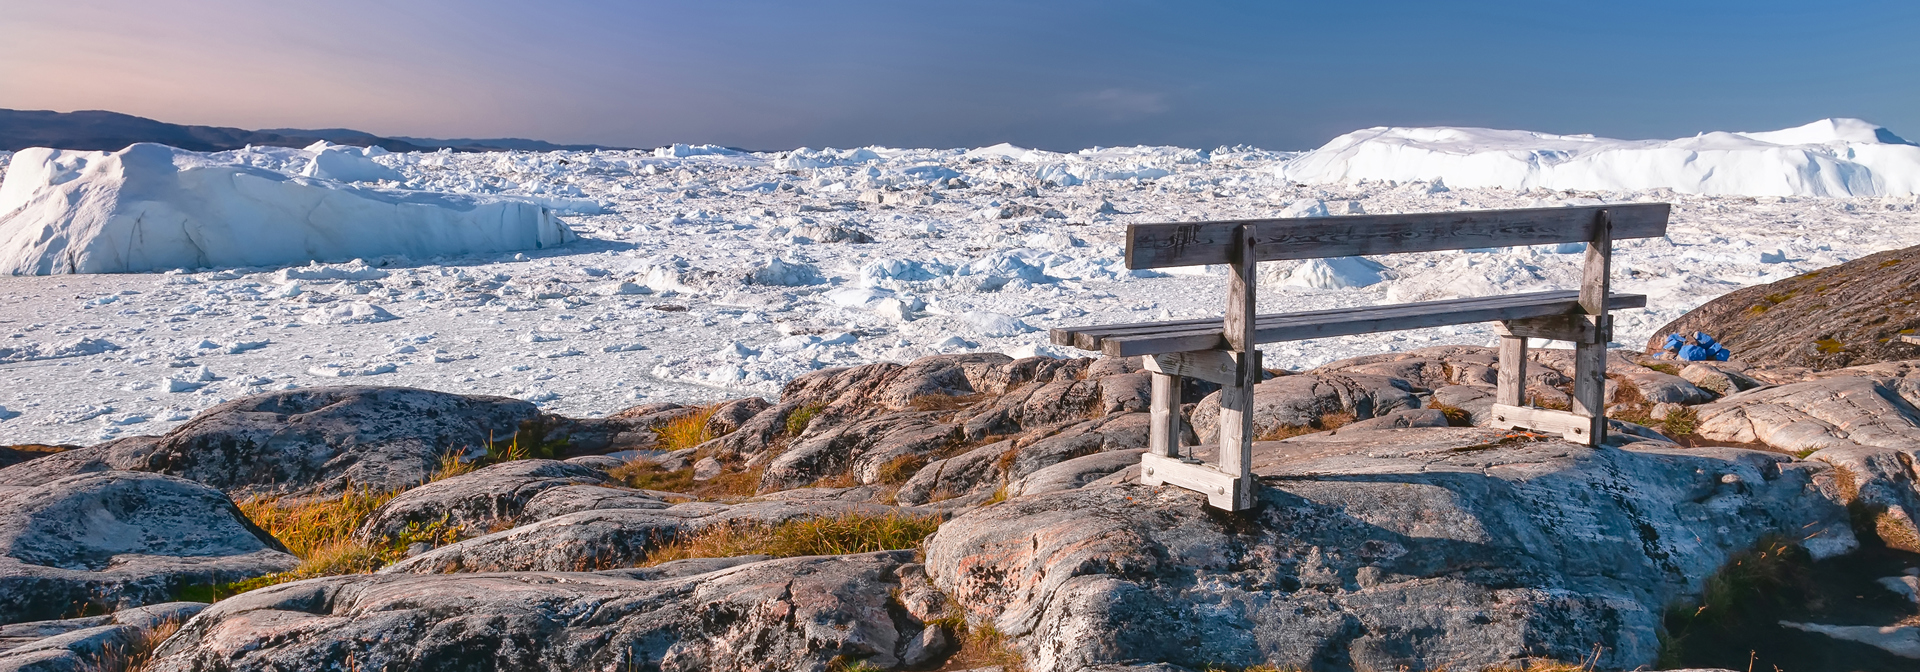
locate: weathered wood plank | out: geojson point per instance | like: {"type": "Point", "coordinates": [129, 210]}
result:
{"type": "Point", "coordinates": [1240, 329]}
{"type": "Point", "coordinates": [1090, 337]}
{"type": "Point", "coordinates": [1511, 385]}
{"type": "Point", "coordinates": [1574, 427]}
{"type": "Point", "coordinates": [1163, 421]}
{"type": "Point", "coordinates": [1360, 321]}
{"type": "Point", "coordinates": [1213, 366]}
{"type": "Point", "coordinates": [1223, 491]}
{"type": "Point", "coordinates": [1197, 243]}
{"type": "Point", "coordinates": [1570, 328]}
{"type": "Point", "coordinates": [1590, 357]}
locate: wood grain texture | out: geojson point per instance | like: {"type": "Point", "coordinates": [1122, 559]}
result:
{"type": "Point", "coordinates": [1213, 366]}
{"type": "Point", "coordinates": [1570, 328]}
{"type": "Point", "coordinates": [1574, 427]}
{"type": "Point", "coordinates": [1163, 424]}
{"type": "Point", "coordinates": [1590, 381]}
{"type": "Point", "coordinates": [1511, 385]}
{"type": "Point", "coordinates": [1197, 243]}
{"type": "Point", "coordinates": [1285, 327]}
{"type": "Point", "coordinates": [1223, 490]}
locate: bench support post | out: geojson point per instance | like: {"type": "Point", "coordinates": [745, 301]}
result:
{"type": "Point", "coordinates": [1590, 358]}
{"type": "Point", "coordinates": [1512, 384]}
{"type": "Point", "coordinates": [1163, 427]}
{"type": "Point", "coordinates": [1236, 400]}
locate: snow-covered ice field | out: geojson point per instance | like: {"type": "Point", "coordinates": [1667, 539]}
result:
{"type": "Point", "coordinates": [710, 273]}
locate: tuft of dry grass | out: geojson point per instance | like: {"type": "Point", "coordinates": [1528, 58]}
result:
{"type": "Point", "coordinates": [451, 465]}
{"type": "Point", "coordinates": [981, 646]}
{"type": "Point", "coordinates": [320, 533]}
{"type": "Point", "coordinates": [899, 469]}
{"type": "Point", "coordinates": [687, 431]}
{"type": "Point", "coordinates": [945, 402]}
{"type": "Point", "coordinates": [1456, 416]}
{"type": "Point", "coordinates": [1326, 421]}
{"type": "Point", "coordinates": [1748, 592]}
{"type": "Point", "coordinates": [837, 535]}
{"type": "Point", "coordinates": [134, 655]}
{"type": "Point", "coordinates": [647, 476]}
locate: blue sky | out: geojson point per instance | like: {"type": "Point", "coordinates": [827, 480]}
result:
{"type": "Point", "coordinates": [1058, 75]}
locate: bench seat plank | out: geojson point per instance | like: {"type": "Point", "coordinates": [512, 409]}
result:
{"type": "Point", "coordinates": [1188, 335]}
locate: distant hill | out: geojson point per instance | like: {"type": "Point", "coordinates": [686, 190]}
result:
{"type": "Point", "coordinates": [102, 130]}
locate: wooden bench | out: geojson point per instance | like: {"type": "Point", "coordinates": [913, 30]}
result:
{"type": "Point", "coordinates": [1223, 350]}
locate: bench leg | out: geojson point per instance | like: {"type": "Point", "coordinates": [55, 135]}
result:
{"type": "Point", "coordinates": [1163, 433]}
{"type": "Point", "coordinates": [1512, 389]}
{"type": "Point", "coordinates": [1590, 383]}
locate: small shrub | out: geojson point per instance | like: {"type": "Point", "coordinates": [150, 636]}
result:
{"type": "Point", "coordinates": [529, 442]}
{"type": "Point", "coordinates": [686, 431]}
{"type": "Point", "coordinates": [1456, 416]}
{"type": "Point", "coordinates": [1326, 421]}
{"type": "Point", "coordinates": [1680, 421]}
{"type": "Point", "coordinates": [837, 535]}
{"type": "Point", "coordinates": [798, 420]}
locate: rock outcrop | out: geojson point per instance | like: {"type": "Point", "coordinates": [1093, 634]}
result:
{"type": "Point", "coordinates": [608, 538]}
{"type": "Point", "coordinates": [115, 540]}
{"type": "Point", "coordinates": [1375, 550]}
{"type": "Point", "coordinates": [1392, 540]}
{"type": "Point", "coordinates": [473, 503]}
{"type": "Point", "coordinates": [90, 643]}
{"type": "Point", "coordinates": [1863, 420]}
{"type": "Point", "coordinates": [793, 614]}
{"type": "Point", "coordinates": [308, 441]}
{"type": "Point", "coordinates": [1846, 315]}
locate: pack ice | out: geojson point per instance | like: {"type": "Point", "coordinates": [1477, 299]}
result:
{"type": "Point", "coordinates": [1830, 157]}
{"type": "Point", "coordinates": [153, 208]}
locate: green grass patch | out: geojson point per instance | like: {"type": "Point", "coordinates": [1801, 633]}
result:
{"type": "Point", "coordinates": [798, 420]}
{"type": "Point", "coordinates": [1748, 593]}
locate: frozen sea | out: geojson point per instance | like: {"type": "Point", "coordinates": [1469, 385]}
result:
{"type": "Point", "coordinates": [711, 273]}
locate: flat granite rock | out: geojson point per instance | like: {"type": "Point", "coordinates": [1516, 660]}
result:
{"type": "Point", "coordinates": [320, 440]}
{"type": "Point", "coordinates": [1419, 547]}
{"type": "Point", "coordinates": [1863, 420]}
{"type": "Point", "coordinates": [475, 501]}
{"type": "Point", "coordinates": [798, 614]}
{"type": "Point", "coordinates": [117, 540]}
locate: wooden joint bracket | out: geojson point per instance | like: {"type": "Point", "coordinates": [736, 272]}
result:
{"type": "Point", "coordinates": [1224, 491]}
{"type": "Point", "coordinates": [1574, 427]}
{"type": "Point", "coordinates": [1573, 327]}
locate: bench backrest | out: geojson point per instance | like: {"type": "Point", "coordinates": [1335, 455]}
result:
{"type": "Point", "coordinates": [1200, 243]}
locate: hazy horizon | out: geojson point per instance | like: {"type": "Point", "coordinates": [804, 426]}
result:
{"type": "Point", "coordinates": [1069, 75]}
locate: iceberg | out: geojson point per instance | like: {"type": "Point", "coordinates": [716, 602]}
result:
{"type": "Point", "coordinates": [1829, 158]}
{"type": "Point", "coordinates": [152, 207]}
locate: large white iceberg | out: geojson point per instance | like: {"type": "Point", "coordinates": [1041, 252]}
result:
{"type": "Point", "coordinates": [1831, 157]}
{"type": "Point", "coordinates": [152, 208]}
